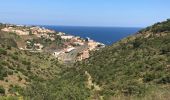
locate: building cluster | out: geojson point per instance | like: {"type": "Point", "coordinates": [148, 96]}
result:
{"type": "Point", "coordinates": [83, 55]}
{"type": "Point", "coordinates": [30, 45]}
{"type": "Point", "coordinates": [71, 43]}
{"type": "Point", "coordinates": [17, 31]}
{"type": "Point", "coordinates": [24, 30]}
{"type": "Point", "coordinates": [63, 51]}
{"type": "Point", "coordinates": [75, 43]}
{"type": "Point", "coordinates": [37, 30]}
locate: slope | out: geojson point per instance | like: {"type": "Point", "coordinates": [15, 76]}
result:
{"type": "Point", "coordinates": [138, 65]}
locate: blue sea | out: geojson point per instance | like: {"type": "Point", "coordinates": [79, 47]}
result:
{"type": "Point", "coordinates": [106, 35]}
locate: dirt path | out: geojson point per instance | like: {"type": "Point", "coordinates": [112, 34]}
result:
{"type": "Point", "coordinates": [90, 84]}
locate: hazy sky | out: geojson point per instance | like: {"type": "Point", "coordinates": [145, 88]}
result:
{"type": "Point", "coordinates": [128, 13]}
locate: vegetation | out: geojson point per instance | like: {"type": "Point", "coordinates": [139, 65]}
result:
{"type": "Point", "coordinates": [159, 27]}
{"type": "Point", "coordinates": [136, 67]}
{"type": "Point", "coordinates": [37, 76]}
{"type": "Point", "coordinates": [25, 67]}
{"type": "Point", "coordinates": [2, 90]}
{"type": "Point", "coordinates": [67, 87]}
{"type": "Point", "coordinates": [2, 51]}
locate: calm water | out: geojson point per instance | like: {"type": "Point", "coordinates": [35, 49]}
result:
{"type": "Point", "coordinates": [106, 35]}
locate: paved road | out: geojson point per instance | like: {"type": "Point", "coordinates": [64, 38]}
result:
{"type": "Point", "coordinates": [71, 56]}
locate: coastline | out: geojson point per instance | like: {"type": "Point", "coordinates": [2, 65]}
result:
{"type": "Point", "coordinates": [106, 35]}
{"type": "Point", "coordinates": [65, 47]}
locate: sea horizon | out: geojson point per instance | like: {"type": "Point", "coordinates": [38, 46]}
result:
{"type": "Point", "coordinates": [105, 35]}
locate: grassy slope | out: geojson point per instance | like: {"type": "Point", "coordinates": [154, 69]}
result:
{"type": "Point", "coordinates": [135, 66]}
{"type": "Point", "coordinates": [36, 76]}
{"type": "Point", "coordinates": [21, 68]}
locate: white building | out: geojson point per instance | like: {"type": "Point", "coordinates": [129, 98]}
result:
{"type": "Point", "coordinates": [79, 43]}
{"type": "Point", "coordinates": [67, 37]}
{"type": "Point", "coordinates": [61, 33]}
{"type": "Point", "coordinates": [69, 49]}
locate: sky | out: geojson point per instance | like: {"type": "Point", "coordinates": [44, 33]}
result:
{"type": "Point", "coordinates": [121, 13]}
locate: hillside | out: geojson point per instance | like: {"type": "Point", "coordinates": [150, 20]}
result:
{"type": "Point", "coordinates": [19, 68]}
{"type": "Point", "coordinates": [66, 48]}
{"type": "Point", "coordinates": [137, 67]}
{"type": "Point", "coordinates": [33, 73]}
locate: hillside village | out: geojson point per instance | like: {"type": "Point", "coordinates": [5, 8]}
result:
{"type": "Point", "coordinates": [66, 48]}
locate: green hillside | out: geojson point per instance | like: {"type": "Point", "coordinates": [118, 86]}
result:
{"type": "Point", "coordinates": [19, 68]}
{"type": "Point", "coordinates": [35, 75]}
{"type": "Point", "coordinates": [137, 67]}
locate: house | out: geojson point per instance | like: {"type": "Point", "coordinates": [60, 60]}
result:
{"type": "Point", "coordinates": [83, 55]}
{"type": "Point", "coordinates": [61, 33]}
{"type": "Point", "coordinates": [79, 43]}
{"type": "Point", "coordinates": [66, 37]}
{"type": "Point", "coordinates": [92, 45]}
{"type": "Point", "coordinates": [19, 32]}
{"type": "Point", "coordinates": [69, 49]}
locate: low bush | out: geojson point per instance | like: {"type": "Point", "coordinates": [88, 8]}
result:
{"type": "Point", "coordinates": [2, 90]}
{"type": "Point", "coordinates": [3, 51]}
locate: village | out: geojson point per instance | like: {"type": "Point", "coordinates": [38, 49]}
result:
{"type": "Point", "coordinates": [72, 48]}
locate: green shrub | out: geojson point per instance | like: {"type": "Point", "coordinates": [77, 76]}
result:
{"type": "Point", "coordinates": [28, 67]}
{"type": "Point", "coordinates": [2, 90]}
{"type": "Point", "coordinates": [164, 80]}
{"type": "Point", "coordinates": [14, 89]}
{"type": "Point", "coordinates": [148, 77]}
{"type": "Point", "coordinates": [15, 57]}
{"type": "Point", "coordinates": [10, 72]}
{"type": "Point", "coordinates": [26, 62]}
{"type": "Point", "coordinates": [3, 51]}
{"type": "Point", "coordinates": [9, 47]}
{"type": "Point", "coordinates": [3, 73]}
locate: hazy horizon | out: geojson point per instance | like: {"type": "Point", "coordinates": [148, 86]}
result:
{"type": "Point", "coordinates": [117, 13]}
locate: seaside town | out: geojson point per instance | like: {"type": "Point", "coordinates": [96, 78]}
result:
{"type": "Point", "coordinates": [65, 47]}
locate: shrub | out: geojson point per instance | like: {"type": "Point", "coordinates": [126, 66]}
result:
{"type": "Point", "coordinates": [29, 68]}
{"type": "Point", "coordinates": [15, 57]}
{"type": "Point", "coordinates": [14, 89]}
{"type": "Point", "coordinates": [148, 77]}
{"type": "Point", "coordinates": [26, 63]}
{"type": "Point", "coordinates": [3, 73]}
{"type": "Point", "coordinates": [2, 90]}
{"type": "Point", "coordinates": [164, 80]}
{"type": "Point", "coordinates": [9, 47]}
{"type": "Point", "coordinates": [10, 73]}
{"type": "Point", "coordinates": [2, 51]}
